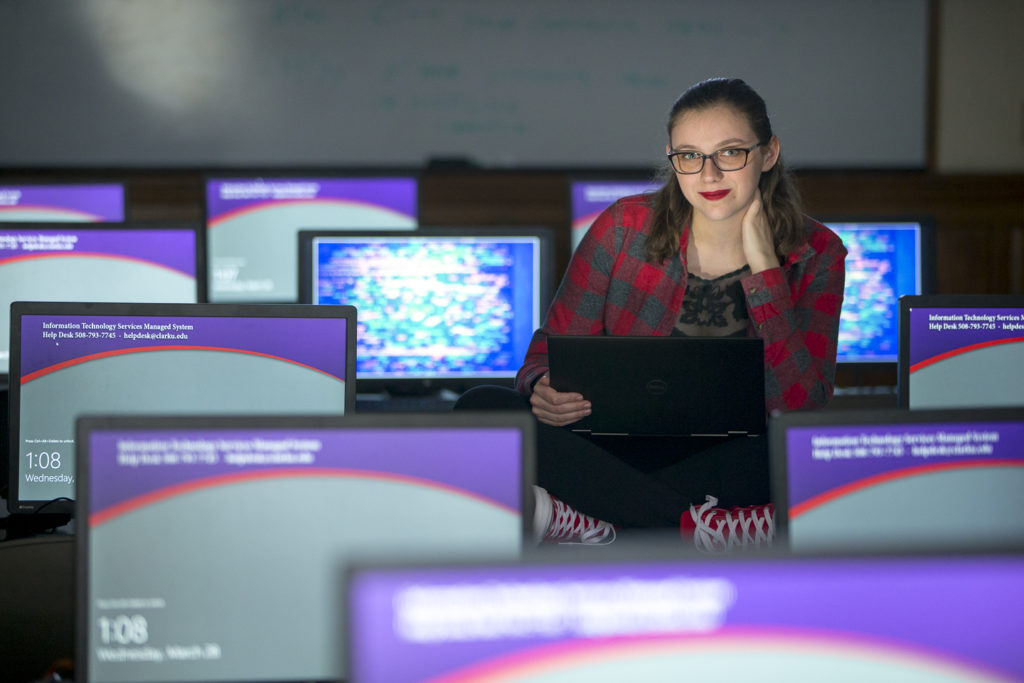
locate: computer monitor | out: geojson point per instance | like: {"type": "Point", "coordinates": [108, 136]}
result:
{"type": "Point", "coordinates": [892, 480]}
{"type": "Point", "coordinates": [588, 197]}
{"type": "Point", "coordinates": [886, 259]}
{"type": "Point", "coordinates": [961, 350]}
{"type": "Point", "coordinates": [136, 262]}
{"type": "Point", "coordinates": [439, 308]}
{"type": "Point", "coordinates": [212, 549]}
{"type": "Point", "coordinates": [68, 359]}
{"type": "Point", "coordinates": [252, 221]}
{"type": "Point", "coordinates": [99, 202]}
{"type": "Point", "coordinates": [763, 618]}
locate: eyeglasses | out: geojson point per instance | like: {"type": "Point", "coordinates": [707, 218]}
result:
{"type": "Point", "coordinates": [728, 159]}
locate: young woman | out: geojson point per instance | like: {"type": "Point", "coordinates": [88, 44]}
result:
{"type": "Point", "coordinates": [721, 249]}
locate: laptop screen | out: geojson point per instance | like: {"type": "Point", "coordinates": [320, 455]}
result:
{"type": "Point", "coordinates": [765, 619]}
{"type": "Point", "coordinates": [212, 549]}
{"type": "Point", "coordinates": [252, 223]}
{"type": "Point", "coordinates": [63, 202]}
{"type": "Point", "coordinates": [97, 262]}
{"type": "Point", "coordinates": [961, 351]}
{"type": "Point", "coordinates": [70, 359]}
{"type": "Point", "coordinates": [894, 480]}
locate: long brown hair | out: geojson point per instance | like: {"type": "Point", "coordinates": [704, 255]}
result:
{"type": "Point", "coordinates": [781, 199]}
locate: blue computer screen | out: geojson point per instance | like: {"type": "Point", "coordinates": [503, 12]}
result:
{"type": "Point", "coordinates": [436, 304]}
{"type": "Point", "coordinates": [885, 260]}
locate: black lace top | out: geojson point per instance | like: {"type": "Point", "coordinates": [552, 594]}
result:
{"type": "Point", "coordinates": [714, 308]}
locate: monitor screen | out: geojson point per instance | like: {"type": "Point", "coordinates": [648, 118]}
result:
{"type": "Point", "coordinates": [252, 223]}
{"type": "Point", "coordinates": [746, 619]}
{"type": "Point", "coordinates": [63, 202]}
{"type": "Point", "coordinates": [438, 307]}
{"type": "Point", "coordinates": [894, 480]}
{"type": "Point", "coordinates": [69, 359]}
{"type": "Point", "coordinates": [213, 550]}
{"type": "Point", "coordinates": [589, 197]}
{"type": "Point", "coordinates": [885, 260]}
{"type": "Point", "coordinates": [98, 262]}
{"type": "Point", "coordinates": [961, 350]}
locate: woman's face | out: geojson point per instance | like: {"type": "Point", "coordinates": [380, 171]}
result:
{"type": "Point", "coordinates": [718, 195]}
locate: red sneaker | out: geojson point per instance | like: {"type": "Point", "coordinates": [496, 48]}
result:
{"type": "Point", "coordinates": [557, 522]}
{"type": "Point", "coordinates": [716, 529]}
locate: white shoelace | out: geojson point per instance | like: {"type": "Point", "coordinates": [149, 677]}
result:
{"type": "Point", "coordinates": [746, 528]}
{"type": "Point", "coordinates": [566, 521]}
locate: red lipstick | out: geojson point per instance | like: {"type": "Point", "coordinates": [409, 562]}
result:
{"type": "Point", "coordinates": [714, 196]}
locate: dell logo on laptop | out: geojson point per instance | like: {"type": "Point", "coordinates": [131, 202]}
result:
{"type": "Point", "coordinates": [657, 387]}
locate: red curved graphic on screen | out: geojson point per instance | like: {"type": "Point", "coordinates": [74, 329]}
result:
{"type": "Point", "coordinates": [277, 203]}
{"type": "Point", "coordinates": [963, 349]}
{"type": "Point", "coordinates": [105, 515]}
{"type": "Point", "coordinates": [723, 642]}
{"type": "Point", "coordinates": [84, 216]}
{"type": "Point", "coordinates": [143, 349]}
{"type": "Point", "coordinates": [868, 482]}
{"type": "Point", "coordinates": [89, 254]}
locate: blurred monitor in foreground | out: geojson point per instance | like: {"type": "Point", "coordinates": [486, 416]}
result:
{"type": "Point", "coordinates": [742, 619]}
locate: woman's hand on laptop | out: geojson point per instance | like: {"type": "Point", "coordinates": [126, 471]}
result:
{"type": "Point", "coordinates": [557, 408]}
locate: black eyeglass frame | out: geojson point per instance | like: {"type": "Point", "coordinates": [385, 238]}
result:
{"type": "Point", "coordinates": [704, 159]}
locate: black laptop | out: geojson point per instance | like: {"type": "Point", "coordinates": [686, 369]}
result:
{"type": "Point", "coordinates": [663, 386]}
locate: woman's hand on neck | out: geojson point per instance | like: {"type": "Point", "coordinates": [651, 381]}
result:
{"type": "Point", "coordinates": [722, 247]}
{"type": "Point", "coordinates": [756, 235]}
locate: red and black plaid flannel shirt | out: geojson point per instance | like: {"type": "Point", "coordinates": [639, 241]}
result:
{"type": "Point", "coordinates": [609, 288]}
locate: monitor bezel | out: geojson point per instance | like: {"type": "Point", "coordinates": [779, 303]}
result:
{"type": "Point", "coordinates": [293, 174]}
{"type": "Point", "coordinates": [780, 423]}
{"type": "Point", "coordinates": [63, 181]}
{"type": "Point", "coordinates": [907, 303]}
{"type": "Point", "coordinates": [865, 369]}
{"type": "Point", "coordinates": [15, 503]}
{"type": "Point", "coordinates": [87, 424]}
{"type": "Point", "coordinates": [429, 385]}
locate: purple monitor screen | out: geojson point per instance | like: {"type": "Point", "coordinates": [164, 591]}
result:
{"type": "Point", "coordinates": [885, 260]}
{"type": "Point", "coordinates": [438, 306]}
{"type": "Point", "coordinates": [252, 225]}
{"type": "Point", "coordinates": [46, 262]}
{"type": "Point", "coordinates": [78, 203]}
{"type": "Point", "coordinates": [214, 549]}
{"type": "Point", "coordinates": [134, 359]}
{"type": "Point", "coordinates": [588, 198]}
{"type": "Point", "coordinates": [962, 351]}
{"type": "Point", "coordinates": [777, 619]}
{"type": "Point", "coordinates": [897, 480]}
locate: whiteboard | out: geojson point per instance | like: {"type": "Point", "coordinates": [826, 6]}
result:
{"type": "Point", "coordinates": [527, 83]}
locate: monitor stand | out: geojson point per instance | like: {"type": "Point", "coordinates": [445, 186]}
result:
{"type": "Point", "coordinates": [27, 526]}
{"type": "Point", "coordinates": [47, 520]}
{"type": "Point", "coordinates": [440, 400]}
